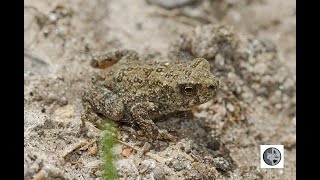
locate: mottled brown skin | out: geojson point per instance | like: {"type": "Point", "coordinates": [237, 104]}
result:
{"type": "Point", "coordinates": [142, 91]}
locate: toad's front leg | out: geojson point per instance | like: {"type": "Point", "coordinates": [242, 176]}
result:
{"type": "Point", "coordinates": [101, 102]}
{"type": "Point", "coordinates": [140, 114]}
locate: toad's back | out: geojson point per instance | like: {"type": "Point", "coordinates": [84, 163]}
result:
{"type": "Point", "coordinates": [141, 79]}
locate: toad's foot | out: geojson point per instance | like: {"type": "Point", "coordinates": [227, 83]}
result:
{"type": "Point", "coordinates": [140, 114]}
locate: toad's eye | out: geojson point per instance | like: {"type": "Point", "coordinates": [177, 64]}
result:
{"type": "Point", "coordinates": [188, 89]}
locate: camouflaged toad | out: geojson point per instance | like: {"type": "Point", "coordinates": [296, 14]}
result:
{"type": "Point", "coordinates": [140, 91]}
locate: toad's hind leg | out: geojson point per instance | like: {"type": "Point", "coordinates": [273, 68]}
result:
{"type": "Point", "coordinates": [139, 113]}
{"type": "Point", "coordinates": [106, 60]}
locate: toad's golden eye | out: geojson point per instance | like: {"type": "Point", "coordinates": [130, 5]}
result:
{"type": "Point", "coordinates": [188, 89]}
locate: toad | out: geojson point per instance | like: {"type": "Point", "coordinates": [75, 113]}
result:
{"type": "Point", "coordinates": [140, 91]}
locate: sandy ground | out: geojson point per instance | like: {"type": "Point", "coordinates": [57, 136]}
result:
{"type": "Point", "coordinates": [220, 141]}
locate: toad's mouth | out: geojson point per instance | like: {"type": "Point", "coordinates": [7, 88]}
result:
{"type": "Point", "coordinates": [204, 99]}
{"type": "Point", "coordinates": [193, 102]}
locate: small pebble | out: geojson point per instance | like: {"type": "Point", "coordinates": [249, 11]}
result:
{"type": "Point", "coordinates": [170, 4]}
{"type": "Point", "coordinates": [146, 147]}
{"type": "Point", "coordinates": [221, 164]}
{"type": "Point", "coordinates": [126, 152]}
{"type": "Point", "coordinates": [178, 166]}
{"type": "Point", "coordinates": [230, 107]}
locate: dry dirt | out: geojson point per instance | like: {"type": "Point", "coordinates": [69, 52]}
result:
{"type": "Point", "coordinates": [220, 141]}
